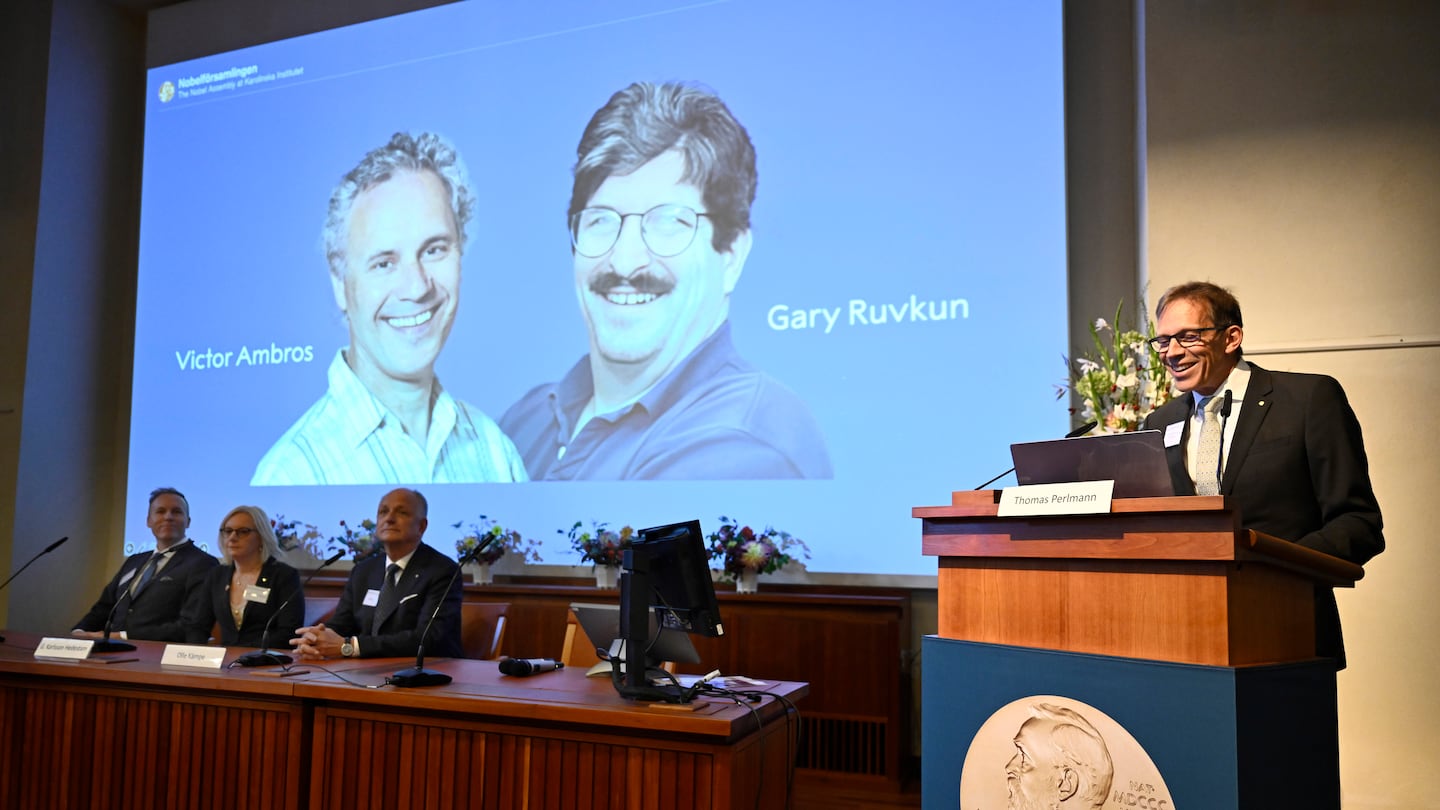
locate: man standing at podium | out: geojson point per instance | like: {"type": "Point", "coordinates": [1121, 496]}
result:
{"type": "Point", "coordinates": [1284, 448]}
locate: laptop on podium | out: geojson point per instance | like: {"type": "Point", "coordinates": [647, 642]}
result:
{"type": "Point", "coordinates": [1134, 461]}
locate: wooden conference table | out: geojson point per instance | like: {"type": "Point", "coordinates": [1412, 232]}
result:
{"type": "Point", "coordinates": [137, 734]}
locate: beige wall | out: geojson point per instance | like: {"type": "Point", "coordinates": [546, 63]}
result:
{"type": "Point", "coordinates": [1294, 156]}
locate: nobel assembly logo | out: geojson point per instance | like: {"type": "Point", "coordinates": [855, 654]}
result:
{"type": "Point", "coordinates": [229, 80]}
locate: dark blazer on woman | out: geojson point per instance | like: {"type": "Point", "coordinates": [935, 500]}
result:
{"type": "Point", "coordinates": [210, 606]}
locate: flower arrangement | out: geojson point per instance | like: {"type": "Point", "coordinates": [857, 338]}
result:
{"type": "Point", "coordinates": [508, 541]}
{"type": "Point", "coordinates": [1124, 382]}
{"type": "Point", "coordinates": [358, 541]}
{"type": "Point", "coordinates": [292, 535]}
{"type": "Point", "coordinates": [739, 548]}
{"type": "Point", "coordinates": [601, 546]}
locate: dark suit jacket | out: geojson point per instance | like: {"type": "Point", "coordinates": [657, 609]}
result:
{"type": "Point", "coordinates": [210, 605]}
{"type": "Point", "coordinates": [153, 614]}
{"type": "Point", "coordinates": [429, 582]}
{"type": "Point", "coordinates": [1296, 469]}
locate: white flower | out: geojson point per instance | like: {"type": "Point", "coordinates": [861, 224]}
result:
{"type": "Point", "coordinates": [1124, 383]}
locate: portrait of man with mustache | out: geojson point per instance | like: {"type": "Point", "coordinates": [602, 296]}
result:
{"type": "Point", "coordinates": [660, 231]}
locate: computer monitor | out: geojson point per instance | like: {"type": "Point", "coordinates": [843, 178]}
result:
{"type": "Point", "coordinates": [666, 571]}
{"type": "Point", "coordinates": [601, 624]}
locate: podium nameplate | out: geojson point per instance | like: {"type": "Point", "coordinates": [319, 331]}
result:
{"type": "Point", "coordinates": [1075, 498]}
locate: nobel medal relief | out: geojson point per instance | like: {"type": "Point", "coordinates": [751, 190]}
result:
{"type": "Point", "coordinates": [1047, 751]}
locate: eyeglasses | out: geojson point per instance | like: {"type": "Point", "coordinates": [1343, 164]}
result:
{"type": "Point", "coordinates": [1190, 337]}
{"type": "Point", "coordinates": [241, 532]}
{"type": "Point", "coordinates": [666, 229]}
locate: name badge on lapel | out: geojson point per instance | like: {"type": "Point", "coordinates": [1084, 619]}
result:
{"type": "Point", "coordinates": [1173, 432]}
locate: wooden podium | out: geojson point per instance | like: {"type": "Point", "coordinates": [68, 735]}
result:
{"type": "Point", "coordinates": [1151, 604]}
{"type": "Point", "coordinates": [1211, 592]}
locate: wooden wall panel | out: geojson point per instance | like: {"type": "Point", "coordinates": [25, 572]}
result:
{"type": "Point", "coordinates": [12, 739]}
{"type": "Point", "coordinates": [442, 761]}
{"type": "Point", "coordinates": [147, 750]}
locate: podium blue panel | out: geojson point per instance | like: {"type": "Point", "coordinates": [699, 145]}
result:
{"type": "Point", "coordinates": [1220, 737]}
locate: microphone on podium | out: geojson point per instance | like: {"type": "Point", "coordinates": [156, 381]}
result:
{"type": "Point", "coordinates": [42, 553]}
{"type": "Point", "coordinates": [266, 656]}
{"type": "Point", "coordinates": [418, 675]}
{"type": "Point", "coordinates": [1225, 405]}
{"type": "Point", "coordinates": [1076, 433]}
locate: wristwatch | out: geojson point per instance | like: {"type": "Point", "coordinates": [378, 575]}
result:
{"type": "Point", "coordinates": [347, 649]}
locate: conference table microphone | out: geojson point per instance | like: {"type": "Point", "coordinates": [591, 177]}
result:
{"type": "Point", "coordinates": [1076, 433]}
{"type": "Point", "coordinates": [521, 667]}
{"type": "Point", "coordinates": [418, 675]}
{"type": "Point", "coordinates": [105, 645]}
{"type": "Point", "coordinates": [265, 656]}
{"type": "Point", "coordinates": [46, 550]}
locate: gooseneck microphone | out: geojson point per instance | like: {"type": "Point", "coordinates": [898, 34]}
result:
{"type": "Point", "coordinates": [1224, 420]}
{"type": "Point", "coordinates": [521, 667]}
{"type": "Point", "coordinates": [1076, 433]}
{"type": "Point", "coordinates": [45, 551]}
{"type": "Point", "coordinates": [42, 553]}
{"type": "Point", "coordinates": [105, 645]}
{"type": "Point", "coordinates": [418, 675]}
{"type": "Point", "coordinates": [266, 656]}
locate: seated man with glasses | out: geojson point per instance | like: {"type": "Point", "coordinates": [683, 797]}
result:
{"type": "Point", "coordinates": [147, 595]}
{"type": "Point", "coordinates": [660, 231]}
{"type": "Point", "coordinates": [1283, 447]}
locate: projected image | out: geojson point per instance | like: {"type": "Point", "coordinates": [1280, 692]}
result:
{"type": "Point", "coordinates": [597, 262]}
{"type": "Point", "coordinates": [660, 226]}
{"type": "Point", "coordinates": [394, 239]}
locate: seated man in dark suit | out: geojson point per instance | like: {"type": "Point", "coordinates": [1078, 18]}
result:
{"type": "Point", "coordinates": [1284, 448]}
{"type": "Point", "coordinates": [148, 593]}
{"type": "Point", "coordinates": [389, 599]}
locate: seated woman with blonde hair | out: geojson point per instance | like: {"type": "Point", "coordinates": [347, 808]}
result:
{"type": "Point", "coordinates": [248, 588]}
